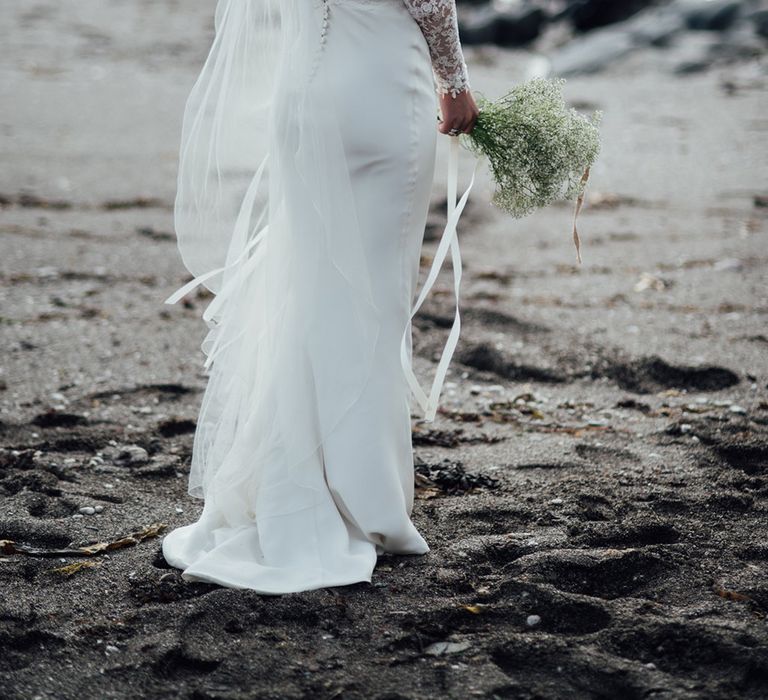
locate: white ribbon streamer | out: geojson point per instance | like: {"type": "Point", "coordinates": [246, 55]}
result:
{"type": "Point", "coordinates": [242, 222]}
{"type": "Point", "coordinates": [448, 239]}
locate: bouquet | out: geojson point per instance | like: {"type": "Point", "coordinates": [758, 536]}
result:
{"type": "Point", "coordinates": [538, 149]}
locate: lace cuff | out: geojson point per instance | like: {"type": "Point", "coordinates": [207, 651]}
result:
{"type": "Point", "coordinates": [438, 22]}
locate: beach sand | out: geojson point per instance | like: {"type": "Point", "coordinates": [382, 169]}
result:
{"type": "Point", "coordinates": [594, 489]}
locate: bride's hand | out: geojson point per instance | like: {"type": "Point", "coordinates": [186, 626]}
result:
{"type": "Point", "coordinates": [459, 113]}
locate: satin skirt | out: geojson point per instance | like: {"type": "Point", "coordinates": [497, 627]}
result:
{"type": "Point", "coordinates": [376, 63]}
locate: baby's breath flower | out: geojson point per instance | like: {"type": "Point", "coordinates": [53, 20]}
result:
{"type": "Point", "coordinates": [537, 147]}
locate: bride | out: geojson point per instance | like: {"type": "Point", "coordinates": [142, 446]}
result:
{"type": "Point", "coordinates": [307, 161]}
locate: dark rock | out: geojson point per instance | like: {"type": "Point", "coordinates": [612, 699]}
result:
{"type": "Point", "coordinates": [715, 15]}
{"type": "Point", "coordinates": [760, 21]}
{"type": "Point", "coordinates": [519, 25]}
{"type": "Point", "coordinates": [590, 14]}
{"type": "Point", "coordinates": [478, 26]}
{"type": "Point", "coordinates": [596, 50]}
{"type": "Point", "coordinates": [658, 26]}
{"type": "Point", "coordinates": [510, 24]}
{"type": "Point", "coordinates": [126, 455]}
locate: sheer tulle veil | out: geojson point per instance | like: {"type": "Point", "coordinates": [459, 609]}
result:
{"type": "Point", "coordinates": [225, 135]}
{"type": "Point", "coordinates": [263, 219]}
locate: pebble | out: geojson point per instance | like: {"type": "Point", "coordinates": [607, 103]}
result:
{"type": "Point", "coordinates": [734, 408]}
{"type": "Point", "coordinates": [99, 509]}
{"type": "Point", "coordinates": [125, 454]}
{"type": "Point", "coordinates": [532, 620]}
{"type": "Point", "coordinates": [441, 648]}
{"type": "Point", "coordinates": [133, 454]}
{"type": "Point", "coordinates": [87, 510]}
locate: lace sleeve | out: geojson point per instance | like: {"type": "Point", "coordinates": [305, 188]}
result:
{"type": "Point", "coordinates": [437, 21]}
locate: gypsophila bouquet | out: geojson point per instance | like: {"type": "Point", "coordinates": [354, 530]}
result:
{"type": "Point", "coordinates": [538, 149]}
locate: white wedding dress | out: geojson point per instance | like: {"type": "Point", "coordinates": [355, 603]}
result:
{"type": "Point", "coordinates": [303, 445]}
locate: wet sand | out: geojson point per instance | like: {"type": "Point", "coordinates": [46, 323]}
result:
{"type": "Point", "coordinates": [594, 489]}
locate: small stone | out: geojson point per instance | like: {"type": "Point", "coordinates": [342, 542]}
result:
{"type": "Point", "coordinates": [734, 408]}
{"type": "Point", "coordinates": [77, 515]}
{"type": "Point", "coordinates": [441, 648]}
{"type": "Point", "coordinates": [556, 501]}
{"type": "Point", "coordinates": [111, 649]}
{"type": "Point", "coordinates": [532, 620]}
{"type": "Point", "coordinates": [126, 454]}
{"type": "Point", "coordinates": [87, 510]}
{"type": "Point", "coordinates": [133, 454]}
{"type": "Point", "coordinates": [99, 509]}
